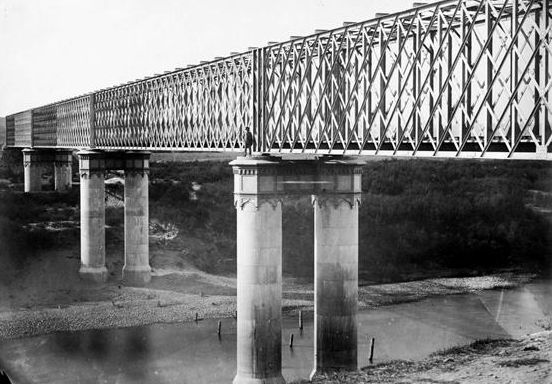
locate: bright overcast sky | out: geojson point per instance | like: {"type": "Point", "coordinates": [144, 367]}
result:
{"type": "Point", "coordinates": [55, 49]}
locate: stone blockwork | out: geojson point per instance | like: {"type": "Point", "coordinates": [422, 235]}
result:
{"type": "Point", "coordinates": [336, 281]}
{"type": "Point", "coordinates": [93, 164]}
{"type": "Point", "coordinates": [259, 248]}
{"type": "Point", "coordinates": [34, 162]}
{"type": "Point", "coordinates": [261, 185]}
{"type": "Point", "coordinates": [136, 270]}
{"type": "Point", "coordinates": [92, 206]}
{"type": "Point", "coordinates": [63, 170]}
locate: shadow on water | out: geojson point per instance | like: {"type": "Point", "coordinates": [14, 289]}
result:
{"type": "Point", "coordinates": [193, 352]}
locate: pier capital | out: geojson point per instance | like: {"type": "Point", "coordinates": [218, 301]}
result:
{"type": "Point", "coordinates": [91, 163]}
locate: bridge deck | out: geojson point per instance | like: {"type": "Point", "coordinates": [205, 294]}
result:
{"type": "Point", "coordinates": [457, 78]}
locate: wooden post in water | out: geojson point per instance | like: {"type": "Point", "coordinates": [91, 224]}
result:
{"type": "Point", "coordinates": [219, 327]}
{"type": "Point", "coordinates": [372, 350]}
{"type": "Point", "coordinates": [300, 319]}
{"type": "Point", "coordinates": [291, 340]}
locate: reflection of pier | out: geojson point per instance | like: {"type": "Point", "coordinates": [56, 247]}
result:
{"type": "Point", "coordinates": [260, 186]}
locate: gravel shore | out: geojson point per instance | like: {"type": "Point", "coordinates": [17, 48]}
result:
{"type": "Point", "coordinates": [483, 362]}
{"type": "Point", "coordinates": [143, 306]}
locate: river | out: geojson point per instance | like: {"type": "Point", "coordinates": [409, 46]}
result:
{"type": "Point", "coordinates": [193, 352]}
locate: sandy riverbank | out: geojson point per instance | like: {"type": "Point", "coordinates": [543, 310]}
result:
{"type": "Point", "coordinates": [177, 296]}
{"type": "Point", "coordinates": [527, 360]}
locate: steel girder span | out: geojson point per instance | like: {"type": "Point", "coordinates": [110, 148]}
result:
{"type": "Point", "coordinates": [459, 78]}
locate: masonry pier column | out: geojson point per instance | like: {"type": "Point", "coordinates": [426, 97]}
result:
{"type": "Point", "coordinates": [336, 265]}
{"type": "Point", "coordinates": [92, 205]}
{"type": "Point", "coordinates": [259, 251]}
{"type": "Point", "coordinates": [33, 166]}
{"type": "Point", "coordinates": [136, 270]}
{"type": "Point", "coordinates": [63, 170]}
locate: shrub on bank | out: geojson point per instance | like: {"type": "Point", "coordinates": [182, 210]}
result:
{"type": "Point", "coordinates": [416, 215]}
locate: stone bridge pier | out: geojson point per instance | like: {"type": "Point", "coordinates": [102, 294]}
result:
{"type": "Point", "coordinates": [34, 162]}
{"type": "Point", "coordinates": [93, 165]}
{"type": "Point", "coordinates": [261, 185]}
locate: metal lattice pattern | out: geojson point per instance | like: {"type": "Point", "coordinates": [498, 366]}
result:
{"type": "Point", "coordinates": [10, 131]}
{"type": "Point", "coordinates": [201, 108]}
{"type": "Point", "coordinates": [73, 122]}
{"type": "Point", "coordinates": [44, 126]}
{"type": "Point", "coordinates": [457, 78]}
{"type": "Point", "coordinates": [468, 78]}
{"type": "Point", "coordinates": [22, 129]}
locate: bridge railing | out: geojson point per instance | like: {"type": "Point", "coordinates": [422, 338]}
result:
{"type": "Point", "coordinates": [463, 78]}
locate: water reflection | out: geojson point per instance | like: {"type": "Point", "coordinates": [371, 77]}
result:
{"type": "Point", "coordinates": [193, 353]}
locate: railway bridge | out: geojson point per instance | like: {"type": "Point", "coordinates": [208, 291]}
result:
{"type": "Point", "coordinates": [451, 79]}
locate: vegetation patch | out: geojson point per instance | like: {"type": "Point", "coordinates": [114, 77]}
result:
{"type": "Point", "coordinates": [522, 362]}
{"type": "Point", "coordinates": [418, 218]}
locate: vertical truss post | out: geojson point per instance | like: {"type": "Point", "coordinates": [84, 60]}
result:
{"type": "Point", "coordinates": [383, 79]}
{"type": "Point", "coordinates": [31, 128]}
{"type": "Point", "coordinates": [357, 92]}
{"type": "Point", "coordinates": [469, 71]}
{"type": "Point", "coordinates": [449, 84]}
{"type": "Point", "coordinates": [400, 38]}
{"type": "Point", "coordinates": [416, 79]}
{"type": "Point", "coordinates": [92, 118]}
{"type": "Point", "coordinates": [514, 69]}
{"type": "Point", "coordinates": [299, 104]}
{"type": "Point", "coordinates": [546, 98]}
{"type": "Point", "coordinates": [465, 74]}
{"type": "Point", "coordinates": [489, 77]}
{"type": "Point", "coordinates": [341, 71]}
{"type": "Point", "coordinates": [437, 133]}
{"type": "Point", "coordinates": [538, 128]}
{"type": "Point", "coordinates": [308, 100]}
{"type": "Point", "coordinates": [431, 83]}
{"type": "Point", "coordinates": [368, 51]}
{"type": "Point", "coordinates": [257, 99]}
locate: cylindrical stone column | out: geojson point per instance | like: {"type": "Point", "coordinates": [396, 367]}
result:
{"type": "Point", "coordinates": [32, 170]}
{"type": "Point", "coordinates": [336, 282]}
{"type": "Point", "coordinates": [92, 205]}
{"type": "Point", "coordinates": [336, 265]}
{"type": "Point", "coordinates": [259, 277]}
{"type": "Point", "coordinates": [63, 171]}
{"type": "Point", "coordinates": [136, 270]}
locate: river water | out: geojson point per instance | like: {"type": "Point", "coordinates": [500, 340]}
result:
{"type": "Point", "coordinates": [193, 352]}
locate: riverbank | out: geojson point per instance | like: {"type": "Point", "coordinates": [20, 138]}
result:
{"type": "Point", "coordinates": [483, 362]}
{"type": "Point", "coordinates": [180, 296]}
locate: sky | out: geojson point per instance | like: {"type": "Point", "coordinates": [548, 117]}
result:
{"type": "Point", "coordinates": [55, 49]}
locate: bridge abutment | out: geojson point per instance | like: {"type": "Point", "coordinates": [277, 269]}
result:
{"type": "Point", "coordinates": [136, 270]}
{"type": "Point", "coordinates": [92, 206]}
{"type": "Point", "coordinates": [63, 170]}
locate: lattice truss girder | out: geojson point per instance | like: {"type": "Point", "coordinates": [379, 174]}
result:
{"type": "Point", "coordinates": [465, 76]}
{"type": "Point", "coordinates": [206, 107]}
{"type": "Point", "coordinates": [65, 125]}
{"type": "Point", "coordinates": [455, 78]}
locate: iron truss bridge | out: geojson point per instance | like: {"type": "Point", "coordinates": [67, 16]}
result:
{"type": "Point", "coordinates": [457, 78]}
